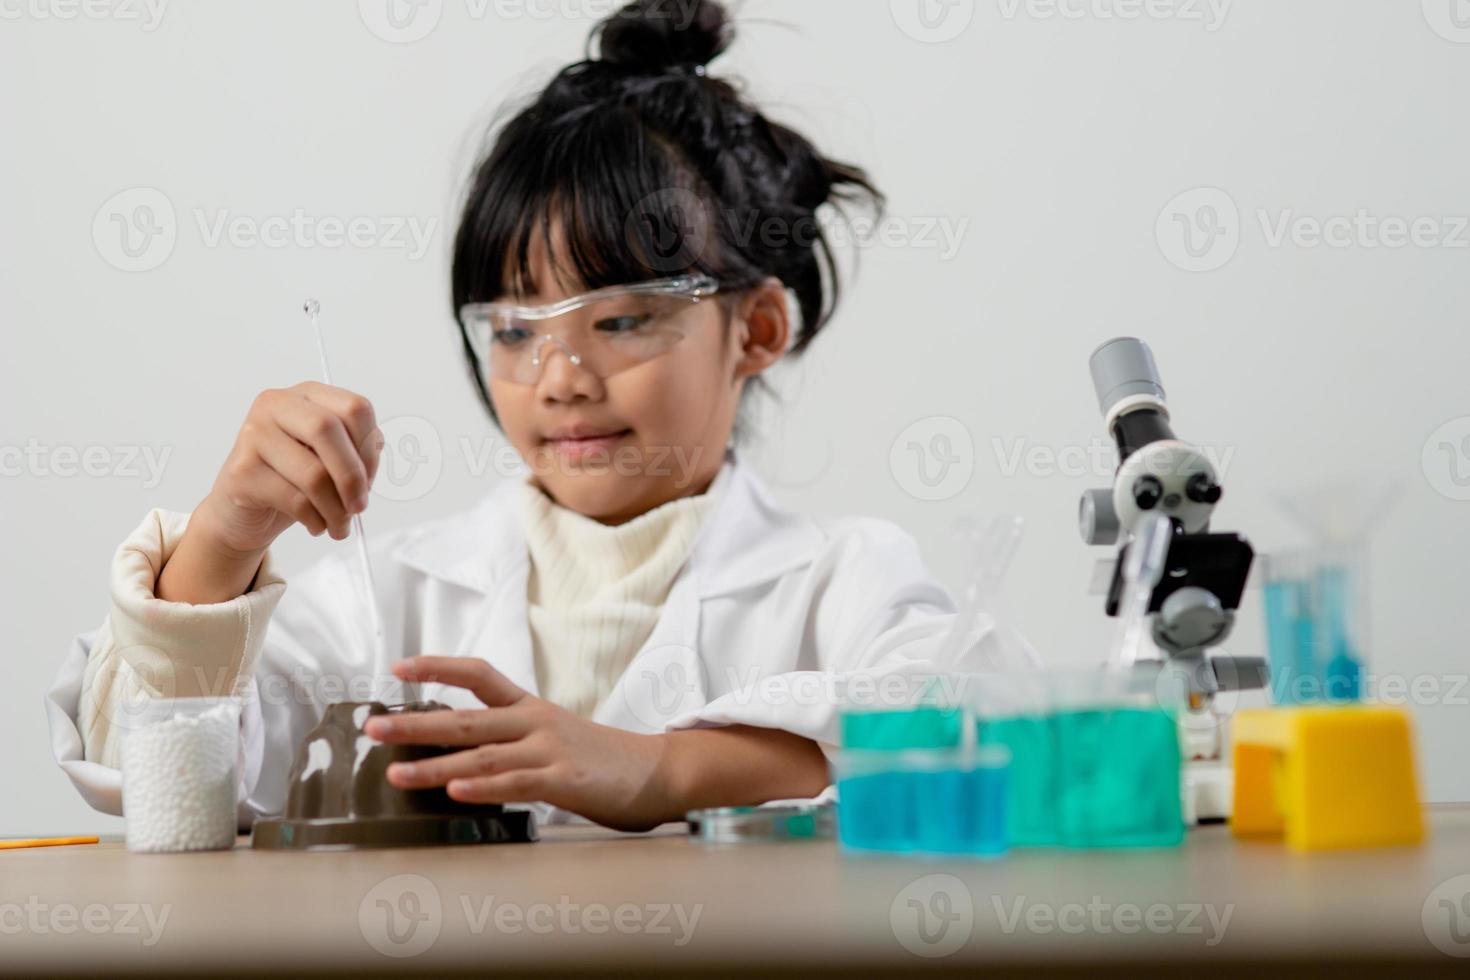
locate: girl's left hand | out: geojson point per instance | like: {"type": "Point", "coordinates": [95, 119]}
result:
{"type": "Point", "coordinates": [521, 749]}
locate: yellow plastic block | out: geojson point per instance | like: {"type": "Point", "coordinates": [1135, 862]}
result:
{"type": "Point", "coordinates": [1326, 776]}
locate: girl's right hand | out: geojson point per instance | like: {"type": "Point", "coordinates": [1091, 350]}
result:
{"type": "Point", "coordinates": [305, 454]}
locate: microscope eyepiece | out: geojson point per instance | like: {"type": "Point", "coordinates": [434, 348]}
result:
{"type": "Point", "coordinates": [1124, 368]}
{"type": "Point", "coordinates": [1130, 394]}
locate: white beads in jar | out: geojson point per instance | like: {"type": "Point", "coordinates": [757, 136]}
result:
{"type": "Point", "coordinates": [180, 776]}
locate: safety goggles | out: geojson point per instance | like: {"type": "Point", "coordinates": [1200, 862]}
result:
{"type": "Point", "coordinates": [604, 331]}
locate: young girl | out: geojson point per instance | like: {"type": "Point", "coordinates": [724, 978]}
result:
{"type": "Point", "coordinates": [635, 629]}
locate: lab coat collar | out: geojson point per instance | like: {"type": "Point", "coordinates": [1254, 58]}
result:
{"type": "Point", "coordinates": [747, 539]}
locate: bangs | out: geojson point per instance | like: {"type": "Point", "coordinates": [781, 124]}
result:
{"type": "Point", "coordinates": [595, 197]}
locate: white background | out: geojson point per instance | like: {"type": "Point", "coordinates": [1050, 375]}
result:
{"type": "Point", "coordinates": [1054, 139]}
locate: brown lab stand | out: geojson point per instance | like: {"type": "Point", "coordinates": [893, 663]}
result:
{"type": "Point", "coordinates": [340, 797]}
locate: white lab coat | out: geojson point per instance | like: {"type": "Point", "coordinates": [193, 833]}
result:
{"type": "Point", "coordinates": [773, 622]}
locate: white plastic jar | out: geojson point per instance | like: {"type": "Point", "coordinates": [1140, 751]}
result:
{"type": "Point", "coordinates": [179, 776]}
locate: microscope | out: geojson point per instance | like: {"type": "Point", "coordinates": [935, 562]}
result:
{"type": "Point", "coordinates": [1162, 499]}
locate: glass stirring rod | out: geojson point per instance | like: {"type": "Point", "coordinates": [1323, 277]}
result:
{"type": "Point", "coordinates": [313, 309]}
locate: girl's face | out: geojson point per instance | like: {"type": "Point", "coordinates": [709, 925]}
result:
{"type": "Point", "coordinates": [614, 448]}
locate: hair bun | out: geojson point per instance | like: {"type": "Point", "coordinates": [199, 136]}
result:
{"type": "Point", "coordinates": [656, 36]}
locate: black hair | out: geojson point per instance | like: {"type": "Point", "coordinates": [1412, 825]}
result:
{"type": "Point", "coordinates": [652, 168]}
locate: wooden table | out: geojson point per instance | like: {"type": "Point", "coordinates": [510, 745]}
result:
{"type": "Point", "coordinates": [585, 899]}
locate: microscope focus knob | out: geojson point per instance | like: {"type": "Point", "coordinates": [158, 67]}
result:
{"type": "Point", "coordinates": [1202, 490]}
{"type": "Point", "coordinates": [1147, 492]}
{"type": "Point", "coordinates": [1098, 518]}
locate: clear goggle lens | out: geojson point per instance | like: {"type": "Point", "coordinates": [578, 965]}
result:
{"type": "Point", "coordinates": [605, 331]}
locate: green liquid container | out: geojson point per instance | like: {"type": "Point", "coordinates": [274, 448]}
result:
{"type": "Point", "coordinates": [1033, 789]}
{"type": "Point", "coordinates": [1095, 761]}
{"type": "Point", "coordinates": [1118, 773]}
{"type": "Point", "coordinates": [911, 728]}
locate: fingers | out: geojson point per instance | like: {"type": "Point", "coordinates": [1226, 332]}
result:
{"type": "Point", "coordinates": [357, 417]}
{"type": "Point", "coordinates": [449, 727]}
{"type": "Point", "coordinates": [497, 758]}
{"type": "Point", "coordinates": [306, 454]}
{"type": "Point", "coordinates": [324, 441]}
{"type": "Point", "coordinates": [355, 411]}
{"type": "Point", "coordinates": [488, 684]}
{"type": "Point", "coordinates": [305, 471]}
{"type": "Point", "coordinates": [327, 437]}
{"type": "Point", "coordinates": [372, 454]}
{"type": "Point", "coordinates": [276, 491]}
{"type": "Point", "coordinates": [519, 786]}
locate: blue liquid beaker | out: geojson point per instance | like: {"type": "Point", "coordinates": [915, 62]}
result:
{"type": "Point", "coordinates": [940, 801]}
{"type": "Point", "coordinates": [1315, 615]}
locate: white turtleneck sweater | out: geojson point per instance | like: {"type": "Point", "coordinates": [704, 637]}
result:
{"type": "Point", "coordinates": [596, 591]}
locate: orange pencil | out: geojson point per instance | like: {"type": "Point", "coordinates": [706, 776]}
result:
{"type": "Point", "coordinates": [6, 845]}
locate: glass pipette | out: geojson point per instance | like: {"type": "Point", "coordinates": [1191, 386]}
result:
{"type": "Point", "coordinates": [313, 310]}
